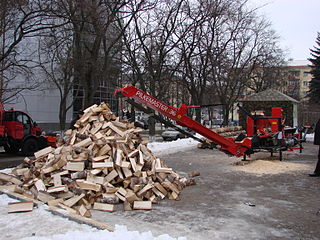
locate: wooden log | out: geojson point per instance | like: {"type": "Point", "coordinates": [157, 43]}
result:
{"type": "Point", "coordinates": [43, 152]}
{"type": "Point", "coordinates": [100, 158]}
{"type": "Point", "coordinates": [133, 153]}
{"type": "Point", "coordinates": [104, 150]}
{"type": "Point", "coordinates": [102, 165]}
{"type": "Point", "coordinates": [161, 188]}
{"type": "Point", "coordinates": [171, 186]}
{"type": "Point", "coordinates": [55, 202]}
{"type": "Point", "coordinates": [194, 174]}
{"type": "Point", "coordinates": [163, 170]}
{"type": "Point", "coordinates": [83, 143]}
{"type": "Point", "coordinates": [25, 206]}
{"type": "Point", "coordinates": [96, 128]}
{"type": "Point", "coordinates": [142, 205]}
{"type": "Point", "coordinates": [118, 160]}
{"type": "Point", "coordinates": [85, 185]}
{"type": "Point", "coordinates": [45, 197]}
{"type": "Point", "coordinates": [70, 210]}
{"type": "Point", "coordinates": [78, 175]}
{"type": "Point", "coordinates": [127, 206]}
{"type": "Point", "coordinates": [20, 171]}
{"type": "Point", "coordinates": [117, 130]}
{"type": "Point", "coordinates": [62, 188]}
{"type": "Point", "coordinates": [111, 176]}
{"type": "Point", "coordinates": [95, 171]}
{"type": "Point", "coordinates": [158, 193]}
{"type": "Point", "coordinates": [75, 166]}
{"type": "Point", "coordinates": [145, 189]}
{"type": "Point", "coordinates": [125, 164]}
{"type": "Point", "coordinates": [133, 164]}
{"type": "Point", "coordinates": [83, 211]}
{"type": "Point", "coordinates": [8, 178]}
{"type": "Point", "coordinates": [72, 201]}
{"type": "Point", "coordinates": [104, 207]}
{"type": "Point", "coordinates": [131, 197]}
{"type": "Point", "coordinates": [127, 172]}
{"type": "Point", "coordinates": [140, 158]}
{"type": "Point", "coordinates": [95, 179]}
{"type": "Point", "coordinates": [40, 185]}
{"type": "Point", "coordinates": [57, 180]}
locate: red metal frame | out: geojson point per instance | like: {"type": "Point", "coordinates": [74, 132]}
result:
{"type": "Point", "coordinates": [179, 115]}
{"type": "Point", "coordinates": [260, 124]}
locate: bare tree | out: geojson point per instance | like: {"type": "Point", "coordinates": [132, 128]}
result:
{"type": "Point", "coordinates": [56, 62]}
{"type": "Point", "coordinates": [220, 52]}
{"type": "Point", "coordinates": [149, 48]}
{"type": "Point", "coordinates": [98, 28]}
{"type": "Point", "coordinates": [19, 20]}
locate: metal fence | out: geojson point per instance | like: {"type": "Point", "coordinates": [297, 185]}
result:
{"type": "Point", "coordinates": [308, 114]}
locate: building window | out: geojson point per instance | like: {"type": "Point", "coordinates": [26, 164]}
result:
{"type": "Point", "coordinates": [293, 83]}
{"type": "Point", "coordinates": [295, 73]}
{"type": "Point", "coordinates": [305, 83]}
{"type": "Point", "coordinates": [306, 74]}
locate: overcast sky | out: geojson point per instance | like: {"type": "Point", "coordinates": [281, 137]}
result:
{"type": "Point", "coordinates": [295, 21]}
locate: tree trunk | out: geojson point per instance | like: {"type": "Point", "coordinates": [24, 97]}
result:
{"type": "Point", "coordinates": [133, 114]}
{"type": "Point", "coordinates": [198, 114]}
{"type": "Point", "coordinates": [152, 126]}
{"type": "Point", "coordinates": [62, 114]}
{"type": "Point", "coordinates": [226, 110]}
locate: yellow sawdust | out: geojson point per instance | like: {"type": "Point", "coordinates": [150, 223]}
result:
{"type": "Point", "coordinates": [271, 167]}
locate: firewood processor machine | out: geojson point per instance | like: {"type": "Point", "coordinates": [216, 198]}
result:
{"type": "Point", "coordinates": [262, 132]}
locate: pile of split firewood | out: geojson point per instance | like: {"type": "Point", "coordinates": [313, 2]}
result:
{"type": "Point", "coordinates": [228, 132]}
{"type": "Point", "coordinates": [100, 164]}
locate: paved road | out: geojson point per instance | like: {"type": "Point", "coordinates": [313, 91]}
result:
{"type": "Point", "coordinates": [9, 160]}
{"type": "Point", "coordinates": [218, 207]}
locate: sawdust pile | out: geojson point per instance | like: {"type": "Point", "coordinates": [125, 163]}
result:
{"type": "Point", "coordinates": [270, 167]}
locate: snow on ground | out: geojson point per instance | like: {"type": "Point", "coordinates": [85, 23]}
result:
{"type": "Point", "coordinates": [42, 225]}
{"type": "Point", "coordinates": [310, 137]}
{"type": "Point", "coordinates": [173, 146]}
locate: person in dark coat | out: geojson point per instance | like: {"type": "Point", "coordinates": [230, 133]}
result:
{"type": "Point", "coordinates": [316, 141]}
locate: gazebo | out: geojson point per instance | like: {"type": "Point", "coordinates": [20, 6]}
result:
{"type": "Point", "coordinates": [264, 101]}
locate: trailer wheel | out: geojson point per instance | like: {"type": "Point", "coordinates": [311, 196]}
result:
{"type": "Point", "coordinates": [30, 146]}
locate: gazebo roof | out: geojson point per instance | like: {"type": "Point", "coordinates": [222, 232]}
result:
{"type": "Point", "coordinates": [269, 95]}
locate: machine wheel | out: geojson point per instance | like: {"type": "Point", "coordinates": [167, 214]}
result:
{"type": "Point", "coordinates": [30, 146]}
{"type": "Point", "coordinates": [11, 149]}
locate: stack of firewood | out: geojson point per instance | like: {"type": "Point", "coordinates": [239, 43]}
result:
{"type": "Point", "coordinates": [232, 131]}
{"type": "Point", "coordinates": [228, 132]}
{"type": "Point", "coordinates": [99, 164]}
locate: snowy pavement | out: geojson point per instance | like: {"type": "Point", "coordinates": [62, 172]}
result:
{"type": "Point", "coordinates": [43, 225]}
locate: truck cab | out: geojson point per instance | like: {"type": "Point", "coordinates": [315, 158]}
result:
{"type": "Point", "coordinates": [19, 132]}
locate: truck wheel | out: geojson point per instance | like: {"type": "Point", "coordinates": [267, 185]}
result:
{"type": "Point", "coordinates": [29, 147]}
{"type": "Point", "coordinates": [11, 149]}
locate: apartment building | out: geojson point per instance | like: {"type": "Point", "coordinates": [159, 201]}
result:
{"type": "Point", "coordinates": [297, 79]}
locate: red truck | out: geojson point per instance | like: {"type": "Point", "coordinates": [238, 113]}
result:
{"type": "Point", "coordinates": [18, 132]}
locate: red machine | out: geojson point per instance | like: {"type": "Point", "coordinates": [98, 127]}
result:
{"type": "Point", "coordinates": [262, 132]}
{"type": "Point", "coordinates": [19, 132]}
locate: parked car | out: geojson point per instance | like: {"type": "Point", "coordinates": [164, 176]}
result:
{"type": "Point", "coordinates": [142, 123]}
{"type": "Point", "coordinates": [172, 134]}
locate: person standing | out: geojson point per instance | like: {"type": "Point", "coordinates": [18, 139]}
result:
{"type": "Point", "coordinates": [316, 141]}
